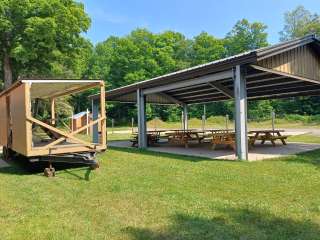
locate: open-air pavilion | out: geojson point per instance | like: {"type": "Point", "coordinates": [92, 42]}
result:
{"type": "Point", "coordinates": [285, 70]}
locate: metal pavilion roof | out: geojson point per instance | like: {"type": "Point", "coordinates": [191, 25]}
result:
{"type": "Point", "coordinates": [213, 81]}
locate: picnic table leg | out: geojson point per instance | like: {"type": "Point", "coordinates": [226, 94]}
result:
{"type": "Point", "coordinates": [254, 139]}
{"type": "Point", "coordinates": [185, 140]}
{"type": "Point", "coordinates": [269, 136]}
{"type": "Point", "coordinates": [282, 140]}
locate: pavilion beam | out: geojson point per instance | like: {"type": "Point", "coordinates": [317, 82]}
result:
{"type": "Point", "coordinates": [191, 82]}
{"type": "Point", "coordinates": [172, 99]}
{"type": "Point", "coordinates": [240, 96]}
{"type": "Point", "coordinates": [224, 90]}
{"type": "Point", "coordinates": [142, 126]}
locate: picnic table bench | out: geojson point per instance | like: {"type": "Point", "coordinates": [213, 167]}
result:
{"type": "Point", "coordinates": [223, 138]}
{"type": "Point", "coordinates": [152, 138]}
{"type": "Point", "coordinates": [184, 136]}
{"type": "Point", "coordinates": [267, 135]}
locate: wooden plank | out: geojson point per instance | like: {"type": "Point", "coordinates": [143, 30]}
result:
{"type": "Point", "coordinates": [53, 113]}
{"type": "Point", "coordinates": [21, 137]}
{"type": "Point", "coordinates": [73, 148]}
{"type": "Point", "coordinates": [3, 121]}
{"type": "Point", "coordinates": [95, 84]}
{"type": "Point", "coordinates": [300, 61]}
{"type": "Point", "coordinates": [67, 135]}
{"type": "Point", "coordinates": [103, 115]}
{"type": "Point", "coordinates": [73, 133]}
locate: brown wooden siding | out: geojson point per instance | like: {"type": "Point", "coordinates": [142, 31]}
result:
{"type": "Point", "coordinates": [300, 61]}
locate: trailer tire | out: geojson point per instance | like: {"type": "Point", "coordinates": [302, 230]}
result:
{"type": "Point", "coordinates": [7, 153]}
{"type": "Point", "coordinates": [94, 166]}
{"type": "Point", "coordinates": [49, 172]}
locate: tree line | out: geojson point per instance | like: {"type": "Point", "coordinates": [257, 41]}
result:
{"type": "Point", "coordinates": [42, 38]}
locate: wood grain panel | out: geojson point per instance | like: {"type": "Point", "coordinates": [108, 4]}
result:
{"type": "Point", "coordinates": [301, 61]}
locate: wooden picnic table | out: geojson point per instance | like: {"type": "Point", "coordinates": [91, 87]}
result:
{"type": "Point", "coordinates": [224, 137]}
{"type": "Point", "coordinates": [184, 136]}
{"type": "Point", "coordinates": [153, 136]}
{"type": "Point", "coordinates": [267, 135]}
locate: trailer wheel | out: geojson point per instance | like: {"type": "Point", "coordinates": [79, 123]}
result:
{"type": "Point", "coordinates": [49, 172]}
{"type": "Point", "coordinates": [7, 153]}
{"type": "Point", "coordinates": [94, 166]}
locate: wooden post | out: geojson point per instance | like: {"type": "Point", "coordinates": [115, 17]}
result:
{"type": "Point", "coordinates": [87, 121]}
{"type": "Point", "coordinates": [240, 94]}
{"type": "Point", "coordinates": [132, 125]}
{"type": "Point", "coordinates": [95, 114]}
{"type": "Point", "coordinates": [227, 121]}
{"type": "Point", "coordinates": [155, 123]}
{"type": "Point", "coordinates": [203, 122]}
{"type": "Point", "coordinates": [273, 116]}
{"type": "Point", "coordinates": [204, 117]}
{"type": "Point", "coordinates": [72, 122]}
{"type": "Point", "coordinates": [53, 113]}
{"type": "Point", "coordinates": [103, 114]}
{"type": "Point", "coordinates": [27, 98]}
{"type": "Point", "coordinates": [142, 128]}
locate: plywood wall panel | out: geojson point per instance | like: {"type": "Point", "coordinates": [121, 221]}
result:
{"type": "Point", "coordinates": [19, 125]}
{"type": "Point", "coordinates": [3, 121]}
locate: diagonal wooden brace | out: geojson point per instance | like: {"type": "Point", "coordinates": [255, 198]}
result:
{"type": "Point", "coordinates": [74, 132]}
{"type": "Point", "coordinates": [64, 134]}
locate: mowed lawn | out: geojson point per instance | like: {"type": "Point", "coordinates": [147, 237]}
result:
{"type": "Point", "coordinates": [142, 195]}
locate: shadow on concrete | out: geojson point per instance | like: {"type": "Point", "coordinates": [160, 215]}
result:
{"type": "Point", "coordinates": [231, 224]}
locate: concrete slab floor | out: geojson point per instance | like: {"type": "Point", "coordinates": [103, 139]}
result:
{"type": "Point", "coordinates": [258, 152]}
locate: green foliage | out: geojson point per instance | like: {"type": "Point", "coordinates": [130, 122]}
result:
{"type": "Point", "coordinates": [259, 110]}
{"type": "Point", "coordinates": [206, 48]}
{"type": "Point", "coordinates": [299, 22]}
{"type": "Point", "coordinates": [246, 36]}
{"type": "Point", "coordinates": [43, 37]}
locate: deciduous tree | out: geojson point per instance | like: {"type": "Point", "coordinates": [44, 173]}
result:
{"type": "Point", "coordinates": [38, 35]}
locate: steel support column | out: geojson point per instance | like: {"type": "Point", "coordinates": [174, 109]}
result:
{"type": "Point", "coordinates": [240, 96]}
{"type": "Point", "coordinates": [95, 115]}
{"type": "Point", "coordinates": [142, 127]}
{"type": "Point", "coordinates": [185, 116]}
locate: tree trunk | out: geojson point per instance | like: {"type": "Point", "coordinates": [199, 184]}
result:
{"type": "Point", "coordinates": [7, 70]}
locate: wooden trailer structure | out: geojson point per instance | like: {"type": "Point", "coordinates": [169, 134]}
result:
{"type": "Point", "coordinates": [17, 121]}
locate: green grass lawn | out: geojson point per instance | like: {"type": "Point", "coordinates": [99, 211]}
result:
{"type": "Point", "coordinates": [220, 122]}
{"type": "Point", "coordinates": [142, 195]}
{"type": "Point", "coordinates": [305, 138]}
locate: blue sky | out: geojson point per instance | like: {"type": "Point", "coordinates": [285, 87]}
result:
{"type": "Point", "coordinates": [190, 17]}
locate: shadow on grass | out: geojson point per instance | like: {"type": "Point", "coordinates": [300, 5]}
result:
{"type": "Point", "coordinates": [21, 166]}
{"type": "Point", "coordinates": [232, 224]}
{"type": "Point", "coordinates": [167, 155]}
{"type": "Point", "coordinates": [310, 157]}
